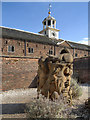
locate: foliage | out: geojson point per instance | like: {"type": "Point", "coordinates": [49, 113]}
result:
{"type": "Point", "coordinates": [45, 108]}
{"type": "Point", "coordinates": [76, 89]}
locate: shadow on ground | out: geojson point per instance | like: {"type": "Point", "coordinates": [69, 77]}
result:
{"type": "Point", "coordinates": [13, 108]}
{"type": "Point", "coordinates": [81, 111]}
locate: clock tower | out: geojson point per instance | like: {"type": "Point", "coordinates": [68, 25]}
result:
{"type": "Point", "coordinates": [49, 26]}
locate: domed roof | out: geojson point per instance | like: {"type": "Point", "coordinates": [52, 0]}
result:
{"type": "Point", "coordinates": [49, 18]}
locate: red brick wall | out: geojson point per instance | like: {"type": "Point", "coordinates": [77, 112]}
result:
{"type": "Point", "coordinates": [65, 44]}
{"type": "Point", "coordinates": [39, 49]}
{"type": "Point", "coordinates": [80, 53]}
{"type": "Point", "coordinates": [18, 44]}
{"type": "Point", "coordinates": [57, 50]}
{"type": "Point", "coordinates": [82, 69]}
{"type": "Point", "coordinates": [18, 72]}
{"type": "Point", "coordinates": [0, 74]}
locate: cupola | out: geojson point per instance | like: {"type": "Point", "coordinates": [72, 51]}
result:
{"type": "Point", "coordinates": [49, 26]}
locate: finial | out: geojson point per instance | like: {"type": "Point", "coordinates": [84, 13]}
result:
{"type": "Point", "coordinates": [49, 9]}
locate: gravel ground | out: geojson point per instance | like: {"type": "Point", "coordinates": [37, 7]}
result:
{"type": "Point", "coordinates": [78, 108]}
{"type": "Point", "coordinates": [13, 102]}
{"type": "Point", "coordinates": [14, 99]}
{"type": "Point", "coordinates": [24, 95]}
{"type": "Point", "coordinates": [85, 92]}
{"type": "Point", "coordinates": [18, 95]}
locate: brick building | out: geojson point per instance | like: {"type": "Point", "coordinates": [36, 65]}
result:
{"type": "Point", "coordinates": [21, 43]}
{"type": "Point", "coordinates": [21, 49]}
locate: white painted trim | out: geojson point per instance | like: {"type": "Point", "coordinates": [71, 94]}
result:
{"type": "Point", "coordinates": [60, 42]}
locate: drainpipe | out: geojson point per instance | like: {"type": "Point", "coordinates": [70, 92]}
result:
{"type": "Point", "coordinates": [25, 47]}
{"type": "Point", "coordinates": [54, 50]}
{"type": "Point", "coordinates": [73, 52]}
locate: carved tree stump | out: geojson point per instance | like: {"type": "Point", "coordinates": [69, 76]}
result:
{"type": "Point", "coordinates": [54, 75]}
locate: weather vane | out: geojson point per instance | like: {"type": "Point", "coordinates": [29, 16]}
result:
{"type": "Point", "coordinates": [49, 9]}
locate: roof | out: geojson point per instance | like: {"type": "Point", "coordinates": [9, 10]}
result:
{"type": "Point", "coordinates": [49, 18]}
{"type": "Point", "coordinates": [74, 44]}
{"type": "Point", "coordinates": [37, 38]}
{"type": "Point", "coordinates": [78, 45]}
{"type": "Point", "coordinates": [23, 35]}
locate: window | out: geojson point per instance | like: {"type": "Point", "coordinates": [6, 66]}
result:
{"type": "Point", "coordinates": [50, 52]}
{"type": "Point", "coordinates": [45, 23]}
{"type": "Point", "coordinates": [49, 22]}
{"type": "Point", "coordinates": [6, 42]}
{"type": "Point", "coordinates": [45, 32]}
{"type": "Point", "coordinates": [75, 54]}
{"type": "Point", "coordinates": [40, 52]}
{"type": "Point", "coordinates": [53, 21]}
{"type": "Point", "coordinates": [36, 45]}
{"type": "Point", "coordinates": [19, 43]}
{"type": "Point", "coordinates": [11, 49]}
{"type": "Point", "coordinates": [30, 50]}
{"type": "Point", "coordinates": [53, 24]}
{"type": "Point", "coordinates": [44, 47]}
{"type": "Point", "coordinates": [23, 51]}
{"type": "Point", "coordinates": [2, 49]}
{"type": "Point", "coordinates": [27, 44]}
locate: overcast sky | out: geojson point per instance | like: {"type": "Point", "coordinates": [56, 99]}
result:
{"type": "Point", "coordinates": [71, 18]}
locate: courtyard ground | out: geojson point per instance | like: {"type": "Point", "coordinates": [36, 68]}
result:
{"type": "Point", "coordinates": [13, 102]}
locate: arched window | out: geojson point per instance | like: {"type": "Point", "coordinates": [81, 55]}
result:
{"type": "Point", "coordinates": [49, 22]}
{"type": "Point", "coordinates": [64, 51]}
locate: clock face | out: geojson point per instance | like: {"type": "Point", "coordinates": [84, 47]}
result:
{"type": "Point", "coordinates": [53, 33]}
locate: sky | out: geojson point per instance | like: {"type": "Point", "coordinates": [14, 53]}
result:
{"type": "Point", "coordinates": [71, 18]}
